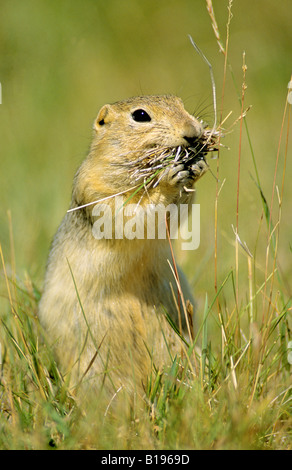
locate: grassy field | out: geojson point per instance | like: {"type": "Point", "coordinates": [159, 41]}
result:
{"type": "Point", "coordinates": [60, 62]}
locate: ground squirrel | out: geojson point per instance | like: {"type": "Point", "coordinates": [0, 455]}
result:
{"type": "Point", "coordinates": [124, 285]}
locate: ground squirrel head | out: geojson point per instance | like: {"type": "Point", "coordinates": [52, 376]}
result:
{"type": "Point", "coordinates": [135, 142]}
{"type": "Point", "coordinates": [145, 122]}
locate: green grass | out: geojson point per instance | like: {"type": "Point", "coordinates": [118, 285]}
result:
{"type": "Point", "coordinates": [235, 394]}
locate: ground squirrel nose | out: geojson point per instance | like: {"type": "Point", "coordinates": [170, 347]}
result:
{"type": "Point", "coordinates": [192, 132]}
{"type": "Point", "coordinates": [191, 140]}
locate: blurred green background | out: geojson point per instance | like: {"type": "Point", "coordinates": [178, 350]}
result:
{"type": "Point", "coordinates": [61, 60]}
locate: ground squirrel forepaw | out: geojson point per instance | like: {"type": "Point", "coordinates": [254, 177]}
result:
{"type": "Point", "coordinates": [178, 174]}
{"type": "Point", "coordinates": [199, 168]}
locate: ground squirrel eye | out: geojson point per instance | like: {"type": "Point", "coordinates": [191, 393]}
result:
{"type": "Point", "coordinates": [140, 115]}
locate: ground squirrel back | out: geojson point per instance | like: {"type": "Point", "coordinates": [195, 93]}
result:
{"type": "Point", "coordinates": [111, 293]}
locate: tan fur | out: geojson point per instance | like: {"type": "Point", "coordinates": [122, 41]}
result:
{"type": "Point", "coordinates": [124, 285]}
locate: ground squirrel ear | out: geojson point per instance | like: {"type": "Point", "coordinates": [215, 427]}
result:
{"type": "Point", "coordinates": [102, 117]}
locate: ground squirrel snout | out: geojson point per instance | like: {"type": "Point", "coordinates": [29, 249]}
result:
{"type": "Point", "coordinates": [150, 149]}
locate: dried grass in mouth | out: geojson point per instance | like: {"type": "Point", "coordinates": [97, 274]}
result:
{"type": "Point", "coordinates": [146, 171]}
{"type": "Point", "coordinates": [150, 165]}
